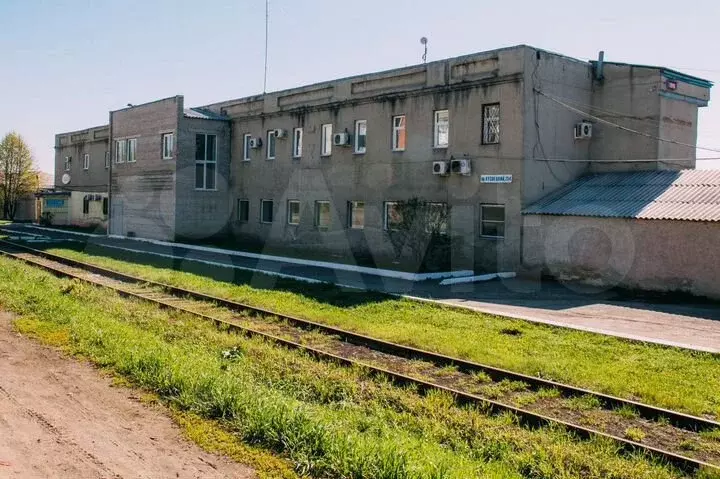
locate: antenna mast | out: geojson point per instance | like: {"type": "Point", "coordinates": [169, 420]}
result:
{"type": "Point", "coordinates": [424, 42]}
{"type": "Point", "coordinates": [267, 22]}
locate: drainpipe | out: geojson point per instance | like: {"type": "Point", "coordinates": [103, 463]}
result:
{"type": "Point", "coordinates": [599, 67]}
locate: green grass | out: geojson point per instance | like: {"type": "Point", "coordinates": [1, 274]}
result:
{"type": "Point", "coordinates": [667, 377]}
{"type": "Point", "coordinates": [634, 434]}
{"type": "Point", "coordinates": [327, 421]}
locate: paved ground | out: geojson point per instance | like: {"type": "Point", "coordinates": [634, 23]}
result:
{"type": "Point", "coordinates": [59, 418]}
{"type": "Point", "coordinates": [691, 324]}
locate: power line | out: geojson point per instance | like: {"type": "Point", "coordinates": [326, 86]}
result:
{"type": "Point", "coordinates": [624, 128]}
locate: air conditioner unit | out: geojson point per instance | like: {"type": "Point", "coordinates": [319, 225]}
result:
{"type": "Point", "coordinates": [583, 130]}
{"type": "Point", "coordinates": [280, 133]}
{"type": "Point", "coordinates": [441, 168]}
{"type": "Point", "coordinates": [341, 139]}
{"type": "Point", "coordinates": [255, 143]}
{"type": "Point", "coordinates": [460, 167]}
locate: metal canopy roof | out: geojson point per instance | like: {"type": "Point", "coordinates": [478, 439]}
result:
{"type": "Point", "coordinates": [203, 114]}
{"type": "Point", "coordinates": [690, 195]}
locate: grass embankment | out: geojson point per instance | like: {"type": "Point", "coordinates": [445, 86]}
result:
{"type": "Point", "coordinates": [328, 421]}
{"type": "Point", "coordinates": [668, 377]}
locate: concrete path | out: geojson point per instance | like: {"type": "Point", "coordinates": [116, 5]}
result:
{"type": "Point", "coordinates": [693, 325]}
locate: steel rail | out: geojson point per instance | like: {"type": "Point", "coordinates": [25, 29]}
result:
{"type": "Point", "coordinates": [525, 417]}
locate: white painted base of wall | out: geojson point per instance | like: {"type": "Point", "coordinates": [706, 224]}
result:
{"type": "Point", "coordinates": [387, 273]}
{"type": "Point", "coordinates": [476, 279]}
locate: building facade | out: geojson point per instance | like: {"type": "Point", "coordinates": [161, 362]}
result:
{"type": "Point", "coordinates": [319, 170]}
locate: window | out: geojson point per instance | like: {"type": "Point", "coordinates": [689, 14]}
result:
{"type": "Point", "coordinates": [297, 142]}
{"type": "Point", "coordinates": [243, 211]}
{"type": "Point", "coordinates": [86, 205]}
{"type": "Point", "coordinates": [271, 140]}
{"type": "Point", "coordinates": [246, 147]}
{"type": "Point", "coordinates": [356, 215]}
{"type": "Point", "coordinates": [491, 124]}
{"type": "Point", "coordinates": [205, 161]}
{"type": "Point", "coordinates": [107, 159]}
{"type": "Point", "coordinates": [392, 216]}
{"type": "Point", "coordinates": [131, 150]}
{"type": "Point", "coordinates": [86, 161]}
{"type": "Point", "coordinates": [266, 211]}
{"type": "Point", "coordinates": [398, 133]}
{"type": "Point", "coordinates": [327, 140]}
{"type": "Point", "coordinates": [68, 163]}
{"type": "Point", "coordinates": [492, 221]}
{"type": "Point", "coordinates": [168, 145]}
{"type": "Point", "coordinates": [437, 218]}
{"type": "Point", "coordinates": [360, 136]}
{"type": "Point", "coordinates": [293, 212]}
{"type": "Point", "coordinates": [322, 215]}
{"type": "Point", "coordinates": [442, 129]}
{"type": "Point", "coordinates": [105, 206]}
{"type": "Point", "coordinates": [120, 149]}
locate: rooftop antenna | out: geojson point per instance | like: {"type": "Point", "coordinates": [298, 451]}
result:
{"type": "Point", "coordinates": [267, 21]}
{"type": "Point", "coordinates": [424, 41]}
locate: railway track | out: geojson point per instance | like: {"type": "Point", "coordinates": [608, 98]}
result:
{"type": "Point", "coordinates": [494, 389]}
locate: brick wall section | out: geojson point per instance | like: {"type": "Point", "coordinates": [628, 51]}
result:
{"type": "Point", "coordinates": [93, 141]}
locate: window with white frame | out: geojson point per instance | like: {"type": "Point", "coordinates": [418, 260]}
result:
{"type": "Point", "coordinates": [442, 129]}
{"type": "Point", "coordinates": [86, 161]}
{"type": "Point", "coordinates": [168, 145]}
{"type": "Point", "coordinates": [132, 150]}
{"type": "Point", "coordinates": [360, 136]}
{"type": "Point", "coordinates": [297, 142]}
{"type": "Point", "coordinates": [492, 221]}
{"type": "Point", "coordinates": [271, 144]}
{"type": "Point", "coordinates": [398, 133]}
{"type": "Point", "coordinates": [243, 211]}
{"type": "Point", "coordinates": [356, 215]}
{"type": "Point", "coordinates": [293, 212]}
{"type": "Point", "coordinates": [68, 163]}
{"type": "Point", "coordinates": [107, 159]}
{"type": "Point", "coordinates": [326, 139]}
{"type": "Point", "coordinates": [205, 161]}
{"type": "Point", "coordinates": [246, 146]}
{"type": "Point", "coordinates": [266, 211]}
{"type": "Point", "coordinates": [491, 124]}
{"type": "Point", "coordinates": [322, 215]}
{"type": "Point", "coordinates": [120, 151]}
{"type": "Point", "coordinates": [393, 218]}
{"type": "Point", "coordinates": [437, 218]}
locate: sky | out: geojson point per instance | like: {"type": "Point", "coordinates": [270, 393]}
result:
{"type": "Point", "coordinates": [64, 64]}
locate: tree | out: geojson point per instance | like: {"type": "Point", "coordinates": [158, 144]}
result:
{"type": "Point", "coordinates": [18, 177]}
{"type": "Point", "coordinates": [419, 228]}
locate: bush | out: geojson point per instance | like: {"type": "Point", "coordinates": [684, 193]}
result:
{"type": "Point", "coordinates": [46, 218]}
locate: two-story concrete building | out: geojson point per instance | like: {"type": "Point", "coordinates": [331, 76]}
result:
{"type": "Point", "coordinates": [318, 170]}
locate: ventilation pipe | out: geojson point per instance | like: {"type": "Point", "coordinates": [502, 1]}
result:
{"type": "Point", "coordinates": [600, 66]}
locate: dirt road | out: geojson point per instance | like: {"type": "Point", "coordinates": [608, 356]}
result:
{"type": "Point", "coordinates": [59, 418]}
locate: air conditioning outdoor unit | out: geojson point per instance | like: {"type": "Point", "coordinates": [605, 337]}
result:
{"type": "Point", "coordinates": [280, 133]}
{"type": "Point", "coordinates": [460, 167]}
{"type": "Point", "coordinates": [341, 139]}
{"type": "Point", "coordinates": [441, 168]}
{"type": "Point", "coordinates": [583, 130]}
{"type": "Point", "coordinates": [255, 143]}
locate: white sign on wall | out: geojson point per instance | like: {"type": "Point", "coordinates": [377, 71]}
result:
{"type": "Point", "coordinates": [495, 178]}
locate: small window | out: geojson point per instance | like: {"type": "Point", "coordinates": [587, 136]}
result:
{"type": "Point", "coordinates": [360, 136]}
{"type": "Point", "coordinates": [86, 161]}
{"type": "Point", "coordinates": [86, 205]}
{"type": "Point", "coordinates": [492, 221]}
{"type": "Point", "coordinates": [120, 151]}
{"type": "Point", "coordinates": [293, 212]}
{"type": "Point", "coordinates": [297, 142]}
{"type": "Point", "coordinates": [243, 211]}
{"type": "Point", "coordinates": [356, 215]}
{"type": "Point", "coordinates": [322, 215]}
{"type": "Point", "coordinates": [205, 161]}
{"type": "Point", "coordinates": [105, 206]}
{"type": "Point", "coordinates": [271, 140]}
{"type": "Point", "coordinates": [327, 139]}
{"type": "Point", "coordinates": [68, 163]}
{"type": "Point", "coordinates": [393, 218]}
{"type": "Point", "coordinates": [491, 124]}
{"type": "Point", "coordinates": [442, 129]}
{"type": "Point", "coordinates": [107, 159]}
{"type": "Point", "coordinates": [266, 211]}
{"type": "Point", "coordinates": [398, 133]}
{"type": "Point", "coordinates": [246, 146]}
{"type": "Point", "coordinates": [132, 150]}
{"type": "Point", "coordinates": [168, 145]}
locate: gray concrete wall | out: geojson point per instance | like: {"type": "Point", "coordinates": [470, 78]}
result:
{"type": "Point", "coordinates": [93, 141]}
{"type": "Point", "coordinates": [655, 255]}
{"type": "Point", "coordinates": [143, 193]}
